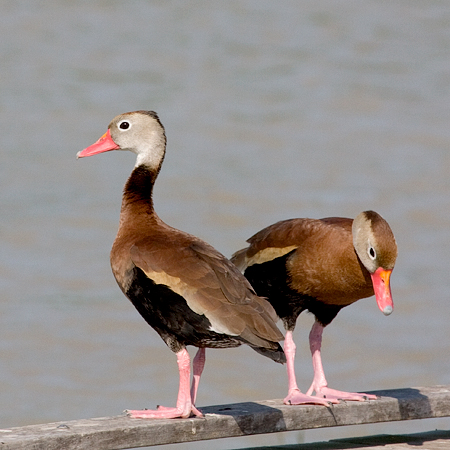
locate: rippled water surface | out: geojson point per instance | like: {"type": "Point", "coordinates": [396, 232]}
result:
{"type": "Point", "coordinates": [313, 108]}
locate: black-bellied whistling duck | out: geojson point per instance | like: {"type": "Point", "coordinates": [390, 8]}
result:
{"type": "Point", "coordinates": [320, 266]}
{"type": "Point", "coordinates": [185, 289]}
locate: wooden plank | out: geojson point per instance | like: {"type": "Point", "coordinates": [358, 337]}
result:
{"type": "Point", "coordinates": [240, 419]}
{"type": "Point", "coordinates": [431, 440]}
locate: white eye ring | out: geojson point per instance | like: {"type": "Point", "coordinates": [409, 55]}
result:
{"type": "Point", "coordinates": [124, 125]}
{"type": "Point", "coordinates": [371, 252]}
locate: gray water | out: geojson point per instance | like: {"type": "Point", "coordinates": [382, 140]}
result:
{"type": "Point", "coordinates": [272, 110]}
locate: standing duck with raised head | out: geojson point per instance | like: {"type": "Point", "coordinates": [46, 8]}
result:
{"type": "Point", "coordinates": [320, 266]}
{"type": "Point", "coordinates": [185, 289]}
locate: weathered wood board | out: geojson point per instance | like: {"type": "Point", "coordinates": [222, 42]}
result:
{"type": "Point", "coordinates": [431, 440]}
{"type": "Point", "coordinates": [240, 419]}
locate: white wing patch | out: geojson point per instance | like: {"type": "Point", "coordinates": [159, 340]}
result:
{"type": "Point", "coordinates": [195, 300]}
{"type": "Point", "coordinates": [268, 254]}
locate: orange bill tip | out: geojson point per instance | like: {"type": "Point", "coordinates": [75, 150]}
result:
{"type": "Point", "coordinates": [382, 288]}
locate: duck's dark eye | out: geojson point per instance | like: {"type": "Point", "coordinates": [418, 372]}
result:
{"type": "Point", "coordinates": [372, 253]}
{"type": "Point", "coordinates": [124, 125]}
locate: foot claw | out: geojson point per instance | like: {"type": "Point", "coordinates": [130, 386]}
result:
{"type": "Point", "coordinates": [196, 412]}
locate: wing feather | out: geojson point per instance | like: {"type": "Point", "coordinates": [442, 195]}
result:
{"type": "Point", "coordinates": [211, 285]}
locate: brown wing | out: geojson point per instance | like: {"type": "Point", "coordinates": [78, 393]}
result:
{"type": "Point", "coordinates": [211, 285]}
{"type": "Point", "coordinates": [324, 264]}
{"type": "Point", "coordinates": [273, 241]}
{"type": "Point", "coordinates": [281, 238]}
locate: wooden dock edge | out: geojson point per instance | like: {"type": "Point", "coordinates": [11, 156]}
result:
{"type": "Point", "coordinates": [429, 440]}
{"type": "Point", "coordinates": [239, 419]}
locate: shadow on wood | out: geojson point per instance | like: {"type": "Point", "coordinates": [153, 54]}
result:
{"type": "Point", "coordinates": [251, 417]}
{"type": "Point", "coordinates": [408, 409]}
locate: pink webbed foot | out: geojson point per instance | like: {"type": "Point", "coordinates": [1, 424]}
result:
{"type": "Point", "coordinates": [185, 406]}
{"type": "Point", "coordinates": [333, 394]}
{"type": "Point", "coordinates": [296, 397]}
{"type": "Point", "coordinates": [319, 384]}
{"type": "Point", "coordinates": [194, 411]}
{"type": "Point", "coordinates": [164, 412]}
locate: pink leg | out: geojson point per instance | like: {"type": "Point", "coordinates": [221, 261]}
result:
{"type": "Point", "coordinates": [319, 384]}
{"type": "Point", "coordinates": [295, 396]}
{"type": "Point", "coordinates": [198, 365]}
{"type": "Point", "coordinates": [184, 406]}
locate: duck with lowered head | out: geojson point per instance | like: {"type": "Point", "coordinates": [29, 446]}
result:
{"type": "Point", "coordinates": [320, 266]}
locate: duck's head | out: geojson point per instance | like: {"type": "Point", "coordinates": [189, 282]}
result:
{"type": "Point", "coordinates": [376, 248]}
{"type": "Point", "coordinates": [140, 132]}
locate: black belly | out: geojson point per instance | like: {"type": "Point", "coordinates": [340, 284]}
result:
{"type": "Point", "coordinates": [271, 280]}
{"type": "Point", "coordinates": [169, 314]}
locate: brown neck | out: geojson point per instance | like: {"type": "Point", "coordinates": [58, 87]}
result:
{"type": "Point", "coordinates": [138, 189]}
{"type": "Point", "coordinates": [137, 202]}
